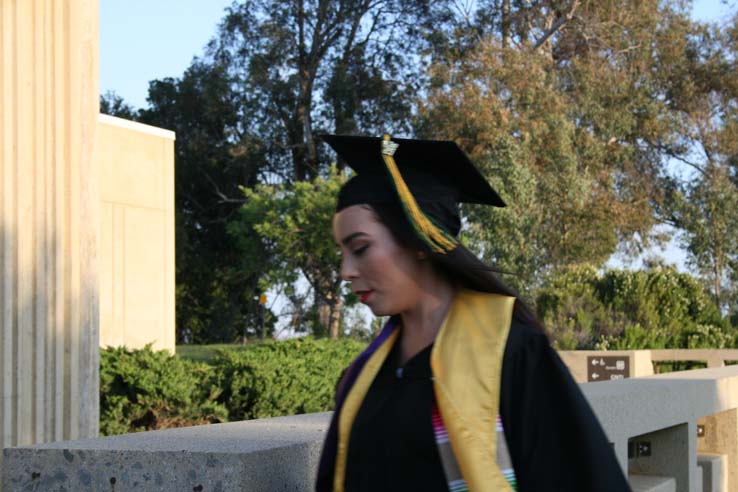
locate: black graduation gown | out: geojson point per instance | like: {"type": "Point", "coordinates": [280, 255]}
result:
{"type": "Point", "coordinates": [554, 439]}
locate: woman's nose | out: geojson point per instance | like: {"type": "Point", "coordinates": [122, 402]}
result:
{"type": "Point", "coordinates": [348, 269]}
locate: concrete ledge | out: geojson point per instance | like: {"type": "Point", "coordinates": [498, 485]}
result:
{"type": "Point", "coordinates": [649, 483]}
{"type": "Point", "coordinates": [268, 454]}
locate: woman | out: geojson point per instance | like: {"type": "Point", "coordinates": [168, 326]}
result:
{"type": "Point", "coordinates": [461, 389]}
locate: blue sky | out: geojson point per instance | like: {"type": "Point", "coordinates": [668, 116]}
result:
{"type": "Point", "coordinates": [143, 40]}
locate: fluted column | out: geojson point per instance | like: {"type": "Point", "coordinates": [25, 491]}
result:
{"type": "Point", "coordinates": [48, 221]}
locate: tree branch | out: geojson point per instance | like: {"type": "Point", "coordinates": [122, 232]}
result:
{"type": "Point", "coordinates": [557, 25]}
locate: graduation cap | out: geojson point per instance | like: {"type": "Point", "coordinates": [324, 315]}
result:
{"type": "Point", "coordinates": [429, 178]}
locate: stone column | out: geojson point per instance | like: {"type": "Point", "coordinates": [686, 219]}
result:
{"type": "Point", "coordinates": [48, 221]}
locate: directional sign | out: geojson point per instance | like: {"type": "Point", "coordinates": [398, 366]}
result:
{"type": "Point", "coordinates": [607, 368]}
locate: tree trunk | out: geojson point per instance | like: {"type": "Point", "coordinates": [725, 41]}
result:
{"type": "Point", "coordinates": [330, 306]}
{"type": "Point", "coordinates": [324, 316]}
{"type": "Point", "coordinates": [335, 318]}
{"type": "Point", "coordinates": [505, 24]}
{"type": "Point", "coordinates": [716, 273]}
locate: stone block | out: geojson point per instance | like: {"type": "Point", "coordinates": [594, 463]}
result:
{"type": "Point", "coordinates": [258, 455]}
{"type": "Point", "coordinates": [651, 483]}
{"type": "Point", "coordinates": [668, 454]}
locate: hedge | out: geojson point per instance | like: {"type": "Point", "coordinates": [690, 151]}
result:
{"type": "Point", "coordinates": [282, 378]}
{"type": "Point", "coordinates": [145, 389]}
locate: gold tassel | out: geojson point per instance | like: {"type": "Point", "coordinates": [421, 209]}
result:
{"type": "Point", "coordinates": [438, 240]}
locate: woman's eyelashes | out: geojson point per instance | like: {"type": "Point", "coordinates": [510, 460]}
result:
{"type": "Point", "coordinates": [360, 251]}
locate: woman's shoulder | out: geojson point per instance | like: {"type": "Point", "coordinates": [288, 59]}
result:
{"type": "Point", "coordinates": [525, 336]}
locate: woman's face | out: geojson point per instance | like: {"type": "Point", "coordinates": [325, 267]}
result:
{"type": "Point", "coordinates": [383, 273]}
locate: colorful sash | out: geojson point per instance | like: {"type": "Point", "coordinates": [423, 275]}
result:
{"type": "Point", "coordinates": [456, 482]}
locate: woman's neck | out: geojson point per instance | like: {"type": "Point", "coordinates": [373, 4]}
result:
{"type": "Point", "coordinates": [421, 324]}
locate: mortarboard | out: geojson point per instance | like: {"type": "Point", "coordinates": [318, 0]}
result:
{"type": "Point", "coordinates": [429, 178]}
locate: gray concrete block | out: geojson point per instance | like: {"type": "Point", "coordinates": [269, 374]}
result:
{"type": "Point", "coordinates": [278, 454]}
{"type": "Point", "coordinates": [670, 456]}
{"type": "Point", "coordinates": [651, 483]}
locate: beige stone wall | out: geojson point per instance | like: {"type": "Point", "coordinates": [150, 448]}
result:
{"type": "Point", "coordinates": [49, 219]}
{"type": "Point", "coordinates": [136, 165]}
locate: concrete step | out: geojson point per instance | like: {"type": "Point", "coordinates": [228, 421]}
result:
{"type": "Point", "coordinates": [651, 483]}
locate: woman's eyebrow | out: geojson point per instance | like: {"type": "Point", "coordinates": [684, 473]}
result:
{"type": "Point", "coordinates": [352, 236]}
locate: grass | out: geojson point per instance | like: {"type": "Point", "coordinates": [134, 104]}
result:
{"type": "Point", "coordinates": [203, 353]}
{"type": "Point", "coordinates": [206, 353]}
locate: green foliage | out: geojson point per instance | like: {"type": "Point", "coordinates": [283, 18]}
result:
{"type": "Point", "coordinates": [202, 353]}
{"type": "Point", "coordinates": [146, 390]}
{"type": "Point", "coordinates": [543, 134]}
{"type": "Point", "coordinates": [284, 232]}
{"type": "Point", "coordinates": [622, 309]}
{"type": "Point", "coordinates": [282, 378]}
{"type": "Point", "coordinates": [707, 211]}
{"type": "Point", "coordinates": [114, 105]}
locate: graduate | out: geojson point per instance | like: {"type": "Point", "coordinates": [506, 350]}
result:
{"type": "Point", "coordinates": [461, 389]}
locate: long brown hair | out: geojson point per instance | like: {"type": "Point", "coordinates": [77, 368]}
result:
{"type": "Point", "coordinates": [460, 266]}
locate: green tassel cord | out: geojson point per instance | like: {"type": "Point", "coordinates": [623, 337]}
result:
{"type": "Point", "coordinates": [434, 236]}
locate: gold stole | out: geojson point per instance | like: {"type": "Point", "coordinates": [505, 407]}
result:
{"type": "Point", "coordinates": [466, 362]}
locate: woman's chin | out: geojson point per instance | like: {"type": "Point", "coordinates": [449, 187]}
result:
{"type": "Point", "coordinates": [379, 311]}
{"type": "Point", "coordinates": [382, 311]}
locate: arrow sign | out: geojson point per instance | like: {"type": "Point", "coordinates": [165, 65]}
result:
{"type": "Point", "coordinates": [607, 367]}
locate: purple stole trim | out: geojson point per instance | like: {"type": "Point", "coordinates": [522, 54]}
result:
{"type": "Point", "coordinates": [328, 458]}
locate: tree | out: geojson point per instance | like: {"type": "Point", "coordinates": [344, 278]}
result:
{"type": "Point", "coordinates": [579, 109]}
{"type": "Point", "coordinates": [285, 233]}
{"type": "Point", "coordinates": [307, 65]}
{"type": "Point", "coordinates": [707, 212]}
{"type": "Point", "coordinates": [114, 105]}
{"type": "Point", "coordinates": [700, 194]}
{"type": "Point", "coordinates": [569, 131]}
{"type": "Point", "coordinates": [245, 115]}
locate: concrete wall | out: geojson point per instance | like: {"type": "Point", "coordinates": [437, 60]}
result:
{"type": "Point", "coordinates": [136, 165]}
{"type": "Point", "coordinates": [49, 206]}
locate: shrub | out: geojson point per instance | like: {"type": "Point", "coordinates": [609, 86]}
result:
{"type": "Point", "coordinates": [146, 389]}
{"type": "Point", "coordinates": [282, 378]}
{"type": "Point", "coordinates": [622, 309]}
